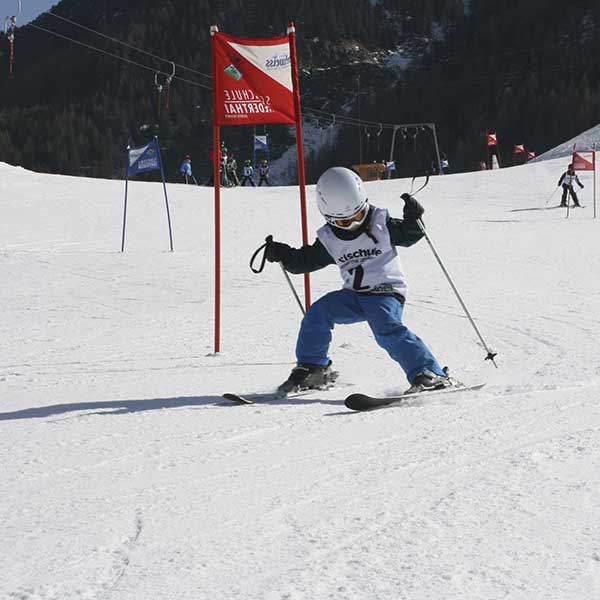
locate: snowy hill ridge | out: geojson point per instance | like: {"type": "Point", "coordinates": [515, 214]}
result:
{"type": "Point", "coordinates": [126, 477]}
{"type": "Point", "coordinates": [583, 141]}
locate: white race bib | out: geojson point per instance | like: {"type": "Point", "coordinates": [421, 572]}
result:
{"type": "Point", "coordinates": [367, 265]}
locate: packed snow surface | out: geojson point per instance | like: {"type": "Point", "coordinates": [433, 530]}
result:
{"type": "Point", "coordinates": [125, 476]}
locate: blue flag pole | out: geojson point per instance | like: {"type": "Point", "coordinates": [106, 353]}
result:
{"type": "Point", "coordinates": [125, 203]}
{"type": "Point", "coordinates": [162, 174]}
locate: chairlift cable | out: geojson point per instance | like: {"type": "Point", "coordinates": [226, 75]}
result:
{"type": "Point", "coordinates": [117, 41]}
{"type": "Point", "coordinates": [336, 118]}
{"type": "Point", "coordinates": [122, 58]}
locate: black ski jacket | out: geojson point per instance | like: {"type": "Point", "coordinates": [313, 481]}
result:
{"type": "Point", "coordinates": [315, 257]}
{"type": "Point", "coordinates": [574, 177]}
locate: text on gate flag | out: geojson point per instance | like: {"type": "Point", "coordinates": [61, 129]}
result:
{"type": "Point", "coordinates": [143, 159]}
{"type": "Point", "coordinates": [253, 83]}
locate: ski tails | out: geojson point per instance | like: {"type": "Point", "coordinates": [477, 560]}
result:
{"type": "Point", "coordinates": [255, 398]}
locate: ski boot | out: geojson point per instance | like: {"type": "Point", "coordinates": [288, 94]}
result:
{"type": "Point", "coordinates": [428, 381]}
{"type": "Point", "coordinates": [308, 377]}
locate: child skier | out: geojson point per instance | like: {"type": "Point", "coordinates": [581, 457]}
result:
{"type": "Point", "coordinates": [263, 173]}
{"type": "Point", "coordinates": [361, 239]}
{"type": "Point", "coordinates": [248, 173]}
{"type": "Point", "coordinates": [567, 179]}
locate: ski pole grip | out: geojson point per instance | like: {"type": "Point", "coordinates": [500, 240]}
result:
{"type": "Point", "coordinates": [268, 240]}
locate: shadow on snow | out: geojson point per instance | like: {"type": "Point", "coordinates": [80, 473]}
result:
{"type": "Point", "coordinates": [114, 407]}
{"type": "Point", "coordinates": [121, 407]}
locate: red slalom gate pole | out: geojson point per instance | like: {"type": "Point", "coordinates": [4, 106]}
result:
{"type": "Point", "coordinates": [291, 31]}
{"type": "Point", "coordinates": [217, 188]}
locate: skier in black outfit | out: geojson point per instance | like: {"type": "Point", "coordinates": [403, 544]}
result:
{"type": "Point", "coordinates": [566, 180]}
{"type": "Point", "coordinates": [263, 173]}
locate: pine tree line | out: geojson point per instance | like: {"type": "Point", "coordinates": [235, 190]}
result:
{"type": "Point", "coordinates": [526, 68]}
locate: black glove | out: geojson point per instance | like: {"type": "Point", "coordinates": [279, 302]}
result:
{"type": "Point", "coordinates": [275, 251]}
{"type": "Point", "coordinates": [412, 209]}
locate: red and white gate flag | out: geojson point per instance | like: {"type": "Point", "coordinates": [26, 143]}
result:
{"type": "Point", "coordinates": [519, 148]}
{"type": "Point", "coordinates": [253, 81]}
{"type": "Point", "coordinates": [584, 160]}
{"type": "Point", "coordinates": [492, 139]}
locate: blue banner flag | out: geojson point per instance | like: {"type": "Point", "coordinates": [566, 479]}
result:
{"type": "Point", "coordinates": [140, 160]}
{"type": "Point", "coordinates": [261, 143]}
{"type": "Point", "coordinates": [143, 159]}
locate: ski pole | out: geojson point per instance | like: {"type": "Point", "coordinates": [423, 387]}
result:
{"type": "Point", "coordinates": [287, 278]}
{"type": "Point", "coordinates": [552, 196]}
{"type": "Point", "coordinates": [268, 240]}
{"type": "Point", "coordinates": [569, 199]}
{"type": "Point", "coordinates": [490, 354]}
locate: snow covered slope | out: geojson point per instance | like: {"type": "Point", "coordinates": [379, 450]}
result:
{"type": "Point", "coordinates": [125, 477]}
{"type": "Point", "coordinates": [583, 141]}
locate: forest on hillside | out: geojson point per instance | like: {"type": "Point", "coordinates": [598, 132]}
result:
{"type": "Point", "coordinates": [528, 70]}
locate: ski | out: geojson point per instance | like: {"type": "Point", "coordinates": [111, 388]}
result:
{"type": "Point", "coordinates": [264, 397]}
{"type": "Point", "coordinates": [365, 402]}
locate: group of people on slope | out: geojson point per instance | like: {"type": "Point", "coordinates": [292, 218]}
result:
{"type": "Point", "coordinates": [229, 176]}
{"type": "Point", "coordinates": [263, 173]}
{"type": "Point", "coordinates": [228, 171]}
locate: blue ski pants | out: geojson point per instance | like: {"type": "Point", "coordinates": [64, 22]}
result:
{"type": "Point", "coordinates": [384, 316]}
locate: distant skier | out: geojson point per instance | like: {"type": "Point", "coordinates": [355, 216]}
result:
{"type": "Point", "coordinates": [361, 240]}
{"type": "Point", "coordinates": [445, 164]}
{"type": "Point", "coordinates": [248, 173]}
{"type": "Point", "coordinates": [263, 173]}
{"type": "Point", "coordinates": [186, 168]}
{"type": "Point", "coordinates": [566, 180]}
{"type": "Point", "coordinates": [223, 148]}
{"type": "Point", "coordinates": [232, 171]}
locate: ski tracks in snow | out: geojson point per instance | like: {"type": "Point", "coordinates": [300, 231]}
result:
{"type": "Point", "coordinates": [122, 556]}
{"type": "Point", "coordinates": [503, 468]}
{"type": "Point", "coordinates": [354, 499]}
{"type": "Point", "coordinates": [118, 558]}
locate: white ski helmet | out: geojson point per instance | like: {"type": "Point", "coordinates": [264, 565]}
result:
{"type": "Point", "coordinates": [341, 195]}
